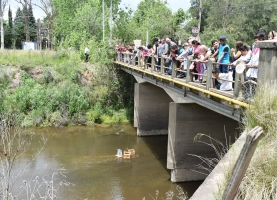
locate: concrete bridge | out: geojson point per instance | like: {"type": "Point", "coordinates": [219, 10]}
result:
{"type": "Point", "coordinates": [182, 108]}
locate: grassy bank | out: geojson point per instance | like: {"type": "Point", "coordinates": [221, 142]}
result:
{"type": "Point", "coordinates": [259, 181]}
{"type": "Point", "coordinates": [55, 88]}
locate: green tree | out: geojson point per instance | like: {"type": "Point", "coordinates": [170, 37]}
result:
{"type": "Point", "coordinates": [155, 17]}
{"type": "Point", "coordinates": [237, 19]}
{"type": "Point", "coordinates": [78, 21]}
{"type": "Point", "coordinates": [9, 30]}
{"type": "Point", "coordinates": [18, 28]}
{"type": "Point", "coordinates": [32, 24]}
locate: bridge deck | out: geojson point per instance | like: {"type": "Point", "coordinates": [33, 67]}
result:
{"type": "Point", "coordinates": [224, 95]}
{"type": "Point", "coordinates": [219, 101]}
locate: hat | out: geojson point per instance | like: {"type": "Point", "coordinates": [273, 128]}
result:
{"type": "Point", "coordinates": [185, 44]}
{"type": "Point", "coordinates": [240, 67]}
{"type": "Point", "coordinates": [223, 38]}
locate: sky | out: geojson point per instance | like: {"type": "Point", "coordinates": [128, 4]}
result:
{"type": "Point", "coordinates": [174, 5]}
{"type": "Point", "coordinates": [38, 13]}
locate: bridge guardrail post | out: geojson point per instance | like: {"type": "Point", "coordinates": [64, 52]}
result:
{"type": "Point", "coordinates": [209, 79]}
{"type": "Point", "coordinates": [129, 58]}
{"type": "Point", "coordinates": [239, 78]}
{"type": "Point", "coordinates": [133, 60]}
{"type": "Point", "coordinates": [139, 60]}
{"type": "Point", "coordinates": [189, 75]}
{"type": "Point", "coordinates": [153, 63]}
{"type": "Point", "coordinates": [117, 57]}
{"type": "Point", "coordinates": [174, 66]}
{"type": "Point", "coordinates": [124, 58]}
{"type": "Point", "coordinates": [162, 65]}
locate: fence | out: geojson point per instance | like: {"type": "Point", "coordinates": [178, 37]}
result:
{"type": "Point", "coordinates": [242, 89]}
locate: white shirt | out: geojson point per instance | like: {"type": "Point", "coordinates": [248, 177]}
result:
{"type": "Point", "coordinates": [86, 50]}
{"type": "Point", "coordinates": [245, 58]}
{"type": "Point", "coordinates": [253, 72]}
{"type": "Point", "coordinates": [225, 85]}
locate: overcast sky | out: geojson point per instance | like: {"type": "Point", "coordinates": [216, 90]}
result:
{"type": "Point", "coordinates": [174, 5]}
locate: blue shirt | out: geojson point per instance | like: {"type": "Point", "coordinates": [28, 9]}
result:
{"type": "Point", "coordinates": [224, 49]}
{"type": "Point", "coordinates": [180, 50]}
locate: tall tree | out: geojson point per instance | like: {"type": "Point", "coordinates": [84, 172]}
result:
{"type": "Point", "coordinates": [18, 29]}
{"type": "Point", "coordinates": [9, 30]}
{"type": "Point", "coordinates": [3, 4]}
{"type": "Point", "coordinates": [153, 16]}
{"type": "Point", "coordinates": [32, 24]}
{"type": "Point", "coordinates": [25, 7]}
{"type": "Point", "coordinates": [10, 16]}
{"type": "Point", "coordinates": [78, 21]}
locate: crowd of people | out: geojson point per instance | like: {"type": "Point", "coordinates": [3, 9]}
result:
{"type": "Point", "coordinates": [227, 60]}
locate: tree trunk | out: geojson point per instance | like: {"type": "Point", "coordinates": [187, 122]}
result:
{"type": "Point", "coordinates": [2, 30]}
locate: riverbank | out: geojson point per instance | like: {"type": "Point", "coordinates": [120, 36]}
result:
{"type": "Point", "coordinates": [259, 181]}
{"type": "Point", "coordinates": [56, 88]}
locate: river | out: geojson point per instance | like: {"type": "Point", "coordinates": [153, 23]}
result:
{"type": "Point", "coordinates": [88, 155]}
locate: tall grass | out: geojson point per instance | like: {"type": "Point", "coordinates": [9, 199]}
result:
{"type": "Point", "coordinates": [31, 58]}
{"type": "Point", "coordinates": [260, 181]}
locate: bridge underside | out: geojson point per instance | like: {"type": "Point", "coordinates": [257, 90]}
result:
{"type": "Point", "coordinates": [161, 111]}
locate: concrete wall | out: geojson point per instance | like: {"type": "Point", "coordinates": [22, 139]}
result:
{"type": "Point", "coordinates": [267, 61]}
{"type": "Point", "coordinates": [151, 108]}
{"type": "Point", "coordinates": [185, 122]}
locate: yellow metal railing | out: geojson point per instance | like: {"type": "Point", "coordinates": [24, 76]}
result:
{"type": "Point", "coordinates": [130, 63]}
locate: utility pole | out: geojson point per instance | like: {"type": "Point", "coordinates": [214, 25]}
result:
{"type": "Point", "coordinates": [200, 15]}
{"type": "Point", "coordinates": [103, 20]}
{"type": "Point", "coordinates": [111, 24]}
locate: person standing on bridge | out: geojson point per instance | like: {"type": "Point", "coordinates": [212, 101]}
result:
{"type": "Point", "coordinates": [223, 55]}
{"type": "Point", "coordinates": [86, 54]}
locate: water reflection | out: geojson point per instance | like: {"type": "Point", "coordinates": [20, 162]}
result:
{"type": "Point", "coordinates": [88, 155]}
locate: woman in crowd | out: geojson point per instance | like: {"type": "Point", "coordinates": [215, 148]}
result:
{"type": "Point", "coordinates": [196, 46]}
{"type": "Point", "coordinates": [182, 58]}
{"type": "Point", "coordinates": [272, 35]}
{"type": "Point", "coordinates": [236, 52]}
{"type": "Point", "coordinates": [150, 53]}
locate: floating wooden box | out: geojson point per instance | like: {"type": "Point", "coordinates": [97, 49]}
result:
{"type": "Point", "coordinates": [126, 154]}
{"type": "Point", "coordinates": [132, 151]}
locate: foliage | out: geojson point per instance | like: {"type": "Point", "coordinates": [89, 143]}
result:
{"type": "Point", "coordinates": [32, 24]}
{"type": "Point", "coordinates": [58, 93]}
{"type": "Point", "coordinates": [152, 16]}
{"type": "Point", "coordinates": [259, 182]}
{"type": "Point", "coordinates": [19, 28]}
{"type": "Point", "coordinates": [8, 31]}
{"type": "Point", "coordinates": [76, 22]}
{"type": "Point", "coordinates": [239, 20]}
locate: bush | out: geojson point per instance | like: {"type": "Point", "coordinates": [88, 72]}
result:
{"type": "Point", "coordinates": [60, 94]}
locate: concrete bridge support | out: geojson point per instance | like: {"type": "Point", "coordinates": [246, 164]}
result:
{"type": "Point", "coordinates": [186, 120]}
{"type": "Point", "coordinates": [151, 110]}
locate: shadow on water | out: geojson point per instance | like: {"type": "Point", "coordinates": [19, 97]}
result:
{"type": "Point", "coordinates": [158, 146]}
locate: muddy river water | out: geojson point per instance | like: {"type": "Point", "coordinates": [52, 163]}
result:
{"type": "Point", "coordinates": [88, 155]}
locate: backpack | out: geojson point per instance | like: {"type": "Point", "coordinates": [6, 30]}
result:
{"type": "Point", "coordinates": [190, 51]}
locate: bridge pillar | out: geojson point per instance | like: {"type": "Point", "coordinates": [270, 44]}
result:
{"type": "Point", "coordinates": [151, 110]}
{"type": "Point", "coordinates": [267, 61]}
{"type": "Point", "coordinates": [186, 120]}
